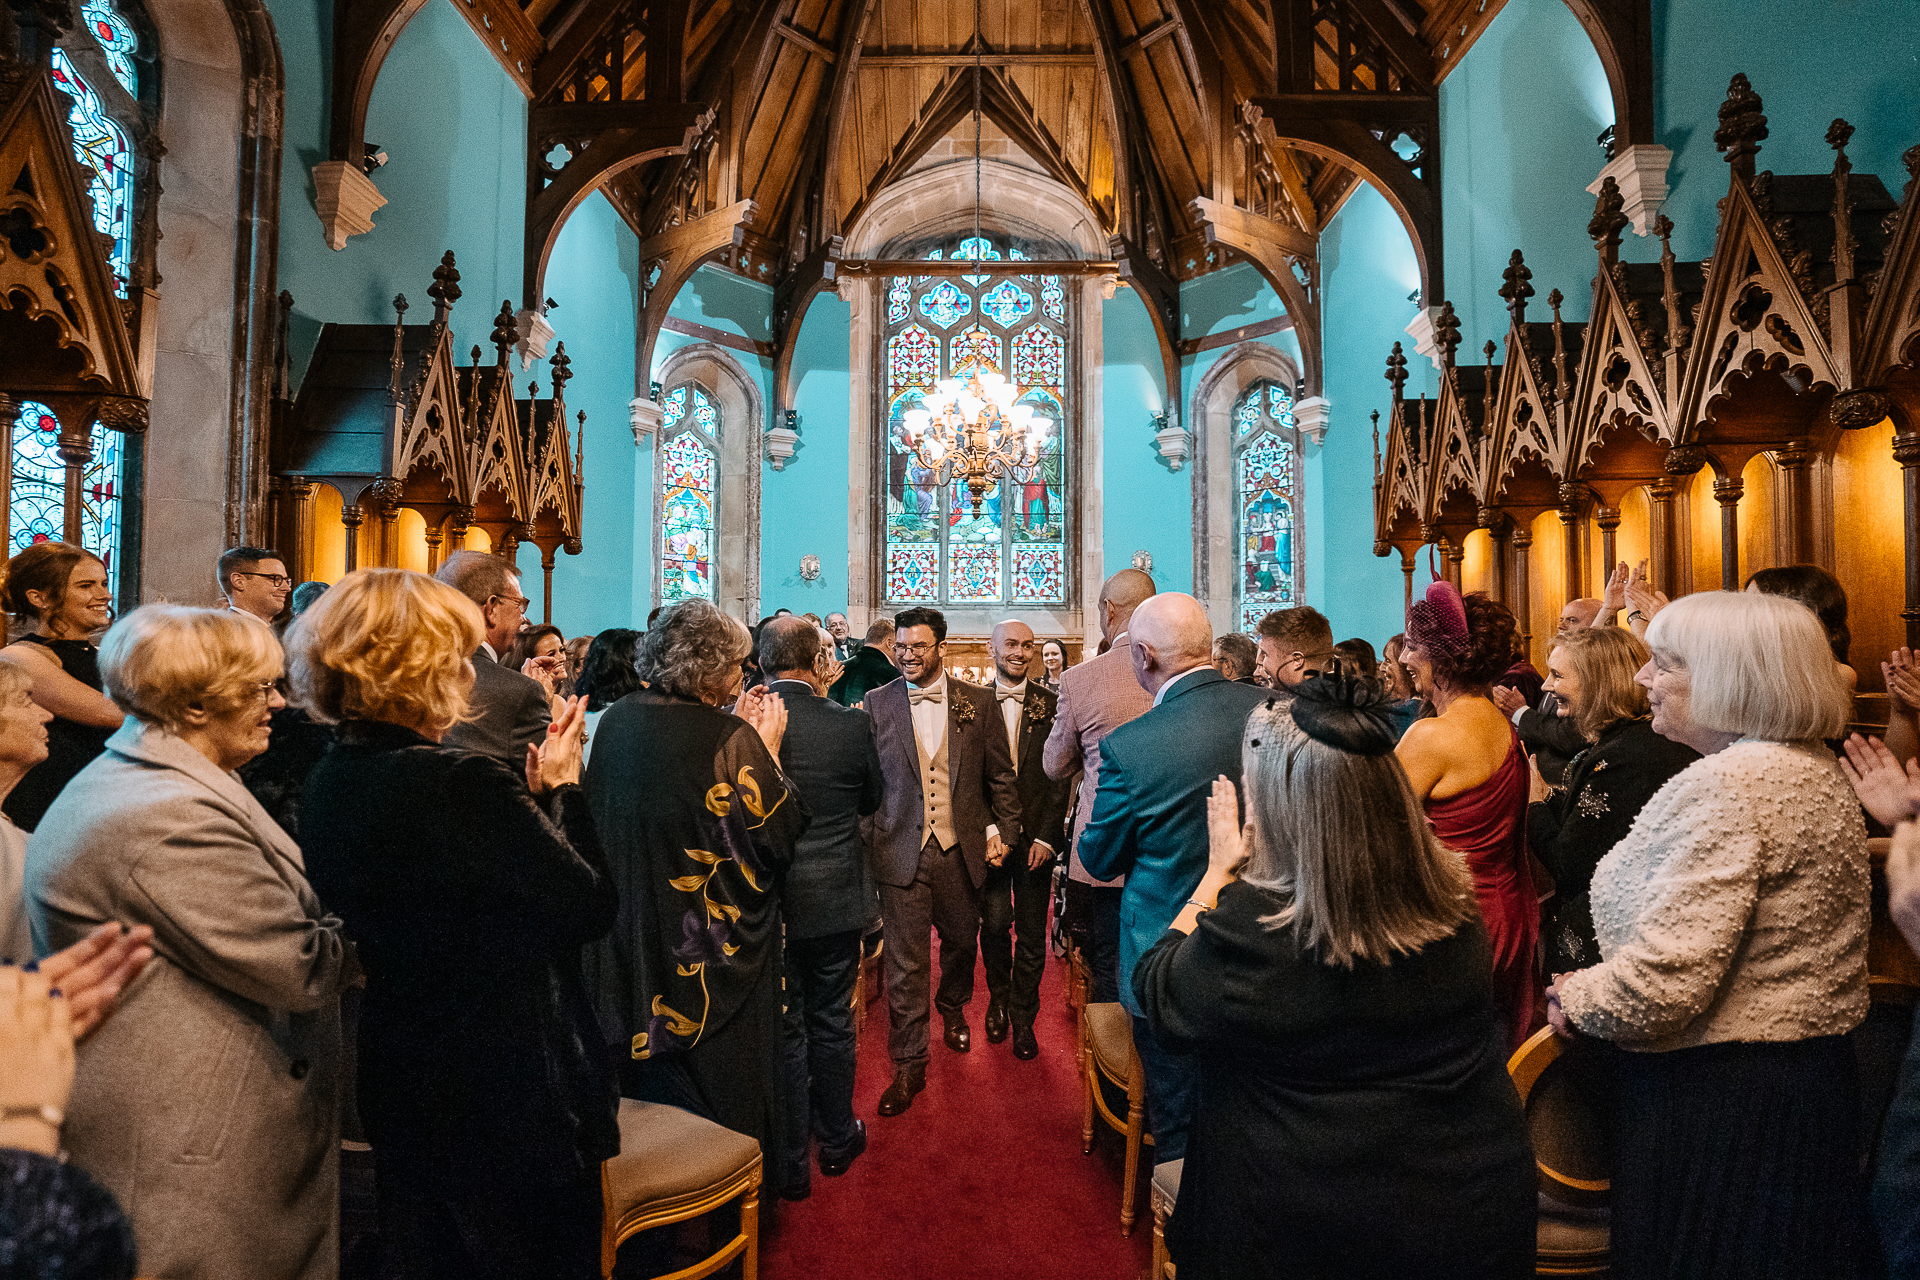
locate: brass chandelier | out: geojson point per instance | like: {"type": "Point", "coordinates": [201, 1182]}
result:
{"type": "Point", "coordinates": [974, 428]}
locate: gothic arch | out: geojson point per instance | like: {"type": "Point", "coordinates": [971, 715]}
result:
{"type": "Point", "coordinates": [737, 488]}
{"type": "Point", "coordinates": [1211, 414]}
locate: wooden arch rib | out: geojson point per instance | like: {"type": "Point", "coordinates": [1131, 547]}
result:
{"type": "Point", "coordinates": [364, 32]}
{"type": "Point", "coordinates": [1622, 34]}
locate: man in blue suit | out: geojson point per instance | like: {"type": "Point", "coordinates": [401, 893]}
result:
{"type": "Point", "coordinates": [1149, 818]}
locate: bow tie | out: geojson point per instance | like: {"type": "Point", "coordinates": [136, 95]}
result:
{"type": "Point", "coordinates": [1004, 694]}
{"type": "Point", "coordinates": [917, 694]}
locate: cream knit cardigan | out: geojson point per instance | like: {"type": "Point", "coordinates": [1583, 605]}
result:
{"type": "Point", "coordinates": [1735, 909]}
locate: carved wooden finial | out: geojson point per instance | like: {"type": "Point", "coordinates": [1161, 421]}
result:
{"type": "Point", "coordinates": [1446, 333]}
{"type": "Point", "coordinates": [445, 290]}
{"type": "Point", "coordinates": [1609, 220]}
{"type": "Point", "coordinates": [580, 451]}
{"type": "Point", "coordinates": [1678, 333]}
{"type": "Point", "coordinates": [1517, 289]}
{"type": "Point", "coordinates": [399, 331]}
{"type": "Point", "coordinates": [1560, 388]}
{"type": "Point", "coordinates": [1397, 371]}
{"type": "Point", "coordinates": [1843, 242]}
{"type": "Point", "coordinates": [474, 355]}
{"type": "Point", "coordinates": [505, 331]}
{"type": "Point", "coordinates": [562, 365]}
{"type": "Point", "coordinates": [1742, 127]}
{"type": "Point", "coordinates": [1376, 443]}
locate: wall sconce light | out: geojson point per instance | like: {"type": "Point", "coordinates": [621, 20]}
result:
{"type": "Point", "coordinates": [655, 392]}
{"type": "Point", "coordinates": [809, 568]}
{"type": "Point", "coordinates": [782, 439]}
{"type": "Point", "coordinates": [1173, 440]}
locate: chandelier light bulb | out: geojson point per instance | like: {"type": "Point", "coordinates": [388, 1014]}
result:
{"type": "Point", "coordinates": [917, 421]}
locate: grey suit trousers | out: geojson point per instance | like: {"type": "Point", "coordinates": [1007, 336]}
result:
{"type": "Point", "coordinates": [941, 898]}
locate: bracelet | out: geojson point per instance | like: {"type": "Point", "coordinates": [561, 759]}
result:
{"type": "Point", "coordinates": [1195, 902]}
{"type": "Point", "coordinates": [1634, 613]}
{"type": "Point", "coordinates": [44, 1112]}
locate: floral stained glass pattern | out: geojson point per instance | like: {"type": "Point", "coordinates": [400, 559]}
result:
{"type": "Point", "coordinates": [672, 409]}
{"type": "Point", "coordinates": [1039, 571]}
{"type": "Point", "coordinates": [101, 145]}
{"type": "Point", "coordinates": [1267, 489]}
{"type": "Point", "coordinates": [1053, 300]}
{"type": "Point", "coordinates": [117, 37]}
{"type": "Point", "coordinates": [913, 573]}
{"type": "Point", "coordinates": [688, 465]}
{"type": "Point", "coordinates": [913, 358]}
{"type": "Point", "coordinates": [976, 348]}
{"type": "Point", "coordinates": [1006, 304]}
{"type": "Point", "coordinates": [1039, 358]}
{"type": "Point", "coordinates": [945, 303]}
{"type": "Point", "coordinates": [899, 300]}
{"type": "Point", "coordinates": [37, 508]}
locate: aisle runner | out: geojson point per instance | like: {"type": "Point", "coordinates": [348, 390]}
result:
{"type": "Point", "coordinates": [981, 1178]}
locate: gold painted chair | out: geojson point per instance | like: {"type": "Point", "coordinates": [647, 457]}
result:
{"type": "Point", "coordinates": [1107, 1053]}
{"type": "Point", "coordinates": [1570, 1152]}
{"type": "Point", "coordinates": [674, 1166]}
{"type": "Point", "coordinates": [872, 946]}
{"type": "Point", "coordinates": [1164, 1190]}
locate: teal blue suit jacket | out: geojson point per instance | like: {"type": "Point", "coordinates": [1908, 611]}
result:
{"type": "Point", "coordinates": [1149, 818]}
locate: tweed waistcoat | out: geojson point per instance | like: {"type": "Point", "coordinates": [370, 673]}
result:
{"type": "Point", "coordinates": [936, 794]}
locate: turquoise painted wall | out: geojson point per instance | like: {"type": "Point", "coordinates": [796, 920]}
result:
{"type": "Point", "coordinates": [1144, 506]}
{"type": "Point", "coordinates": [803, 509]}
{"type": "Point", "coordinates": [453, 125]}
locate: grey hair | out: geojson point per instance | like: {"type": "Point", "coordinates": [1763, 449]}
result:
{"type": "Point", "coordinates": [479, 575]}
{"type": "Point", "coordinates": [1343, 839]}
{"type": "Point", "coordinates": [1757, 665]}
{"type": "Point", "coordinates": [694, 650]}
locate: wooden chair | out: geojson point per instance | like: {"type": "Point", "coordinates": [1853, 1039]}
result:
{"type": "Point", "coordinates": [1570, 1152]}
{"type": "Point", "coordinates": [862, 983]}
{"type": "Point", "coordinates": [1164, 1190]}
{"type": "Point", "coordinates": [1107, 1053]}
{"type": "Point", "coordinates": [674, 1166]}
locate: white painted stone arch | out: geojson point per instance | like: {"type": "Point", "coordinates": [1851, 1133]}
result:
{"type": "Point", "coordinates": [1215, 562]}
{"type": "Point", "coordinates": [737, 489]}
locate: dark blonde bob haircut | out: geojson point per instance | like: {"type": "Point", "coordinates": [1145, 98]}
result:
{"type": "Point", "coordinates": [389, 645]}
{"type": "Point", "coordinates": [1604, 660]}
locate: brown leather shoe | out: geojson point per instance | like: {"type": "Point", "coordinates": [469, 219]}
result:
{"type": "Point", "coordinates": [959, 1039]}
{"type": "Point", "coordinates": [907, 1081]}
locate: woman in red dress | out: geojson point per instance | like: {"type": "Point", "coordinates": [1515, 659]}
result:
{"type": "Point", "coordinates": [1466, 766]}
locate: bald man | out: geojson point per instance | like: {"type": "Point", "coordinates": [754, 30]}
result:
{"type": "Point", "coordinates": [1097, 697]}
{"type": "Point", "coordinates": [1149, 819]}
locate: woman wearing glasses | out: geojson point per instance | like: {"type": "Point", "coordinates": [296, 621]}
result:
{"type": "Point", "coordinates": [208, 1103]}
{"type": "Point", "coordinates": [62, 597]}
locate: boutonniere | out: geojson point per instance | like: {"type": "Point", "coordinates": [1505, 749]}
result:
{"type": "Point", "coordinates": [1598, 765]}
{"type": "Point", "coordinates": [1035, 707]}
{"type": "Point", "coordinates": [962, 708]}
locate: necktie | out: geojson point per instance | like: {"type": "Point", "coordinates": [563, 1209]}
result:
{"type": "Point", "coordinates": [917, 694]}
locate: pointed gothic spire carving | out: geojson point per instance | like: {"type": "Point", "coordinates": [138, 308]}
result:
{"type": "Point", "coordinates": [1843, 242]}
{"type": "Point", "coordinates": [562, 365]}
{"type": "Point", "coordinates": [445, 290]}
{"type": "Point", "coordinates": [1609, 220]}
{"type": "Point", "coordinates": [1678, 331]}
{"type": "Point", "coordinates": [1517, 289]}
{"type": "Point", "coordinates": [1397, 371]}
{"type": "Point", "coordinates": [1742, 127]}
{"type": "Point", "coordinates": [1561, 388]}
{"type": "Point", "coordinates": [506, 333]}
{"type": "Point", "coordinates": [1446, 334]}
{"type": "Point", "coordinates": [399, 322]}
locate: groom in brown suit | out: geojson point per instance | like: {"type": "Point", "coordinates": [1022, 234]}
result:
{"type": "Point", "coordinates": [950, 809]}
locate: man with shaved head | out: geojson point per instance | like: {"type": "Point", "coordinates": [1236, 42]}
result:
{"type": "Point", "coordinates": [1149, 820]}
{"type": "Point", "coordinates": [1097, 697]}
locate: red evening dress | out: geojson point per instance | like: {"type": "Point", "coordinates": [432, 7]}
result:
{"type": "Point", "coordinates": [1487, 824]}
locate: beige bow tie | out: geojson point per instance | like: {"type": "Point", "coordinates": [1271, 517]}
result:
{"type": "Point", "coordinates": [917, 694]}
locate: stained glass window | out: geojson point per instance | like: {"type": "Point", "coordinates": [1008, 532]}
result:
{"type": "Point", "coordinates": [37, 504]}
{"type": "Point", "coordinates": [689, 463]}
{"type": "Point", "coordinates": [937, 549]}
{"type": "Point", "coordinates": [116, 36]}
{"type": "Point", "coordinates": [101, 145]}
{"type": "Point", "coordinates": [1267, 485]}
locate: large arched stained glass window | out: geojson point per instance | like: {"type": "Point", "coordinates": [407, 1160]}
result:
{"type": "Point", "coordinates": [937, 550]}
{"type": "Point", "coordinates": [36, 507]}
{"type": "Point", "coordinates": [689, 464]}
{"type": "Point", "coordinates": [1266, 448]}
{"type": "Point", "coordinates": [101, 144]}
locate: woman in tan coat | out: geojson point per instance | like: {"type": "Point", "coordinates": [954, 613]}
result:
{"type": "Point", "coordinates": [208, 1104]}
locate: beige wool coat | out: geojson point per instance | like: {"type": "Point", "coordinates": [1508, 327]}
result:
{"type": "Point", "coordinates": [208, 1103]}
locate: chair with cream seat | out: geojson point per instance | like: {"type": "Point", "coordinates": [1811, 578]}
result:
{"type": "Point", "coordinates": [1107, 1053]}
{"type": "Point", "coordinates": [1165, 1192]}
{"type": "Point", "coordinates": [1567, 1128]}
{"type": "Point", "coordinates": [674, 1166]}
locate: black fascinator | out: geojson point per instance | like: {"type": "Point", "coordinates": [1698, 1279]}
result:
{"type": "Point", "coordinates": [1344, 711]}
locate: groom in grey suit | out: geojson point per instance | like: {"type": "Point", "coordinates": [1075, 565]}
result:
{"type": "Point", "coordinates": [949, 809]}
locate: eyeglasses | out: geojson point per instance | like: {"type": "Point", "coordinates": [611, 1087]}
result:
{"type": "Point", "coordinates": [277, 579]}
{"type": "Point", "coordinates": [917, 650]}
{"type": "Point", "coordinates": [521, 601]}
{"type": "Point", "coordinates": [265, 689]}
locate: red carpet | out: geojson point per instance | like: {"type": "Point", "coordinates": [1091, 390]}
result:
{"type": "Point", "coordinates": [982, 1177]}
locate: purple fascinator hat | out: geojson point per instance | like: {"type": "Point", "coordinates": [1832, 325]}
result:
{"type": "Point", "coordinates": [1438, 623]}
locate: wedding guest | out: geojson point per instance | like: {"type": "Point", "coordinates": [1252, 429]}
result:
{"type": "Point", "coordinates": [1329, 976]}
{"type": "Point", "coordinates": [608, 673]}
{"type": "Point", "coordinates": [537, 651]}
{"type": "Point", "coordinates": [1465, 765]}
{"type": "Point", "coordinates": [1053, 661]}
{"type": "Point", "coordinates": [1235, 657]}
{"type": "Point", "coordinates": [207, 1104]}
{"type": "Point", "coordinates": [1359, 660]}
{"type": "Point", "coordinates": [869, 668]}
{"type": "Point", "coordinates": [62, 596]}
{"type": "Point", "coordinates": [1732, 921]}
{"type": "Point", "coordinates": [1896, 1184]}
{"type": "Point", "coordinates": [508, 712]}
{"type": "Point", "coordinates": [699, 825]}
{"type": "Point", "coordinates": [470, 892]}
{"type": "Point", "coordinates": [1403, 704]}
{"type": "Point", "coordinates": [1590, 673]}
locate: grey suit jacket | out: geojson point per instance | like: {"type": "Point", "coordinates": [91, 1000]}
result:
{"type": "Point", "coordinates": [208, 1102]}
{"type": "Point", "coordinates": [509, 711]}
{"type": "Point", "coordinates": [1096, 697]}
{"type": "Point", "coordinates": [979, 771]}
{"type": "Point", "coordinates": [828, 754]}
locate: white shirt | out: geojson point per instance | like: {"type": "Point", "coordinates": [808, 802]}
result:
{"type": "Point", "coordinates": [929, 717]}
{"type": "Point", "coordinates": [491, 652]}
{"type": "Point", "coordinates": [1177, 679]}
{"type": "Point", "coordinates": [1010, 712]}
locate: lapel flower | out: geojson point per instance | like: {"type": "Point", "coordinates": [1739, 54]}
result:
{"type": "Point", "coordinates": [962, 704]}
{"type": "Point", "coordinates": [1035, 707]}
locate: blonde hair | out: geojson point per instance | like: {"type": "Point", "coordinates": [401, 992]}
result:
{"type": "Point", "coordinates": [163, 660]}
{"type": "Point", "coordinates": [14, 678]}
{"type": "Point", "coordinates": [386, 644]}
{"type": "Point", "coordinates": [1758, 665]}
{"type": "Point", "coordinates": [1604, 660]}
{"type": "Point", "coordinates": [1343, 837]}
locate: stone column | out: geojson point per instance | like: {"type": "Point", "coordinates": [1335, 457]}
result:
{"type": "Point", "coordinates": [858, 293]}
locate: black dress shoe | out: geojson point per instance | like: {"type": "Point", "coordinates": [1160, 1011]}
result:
{"type": "Point", "coordinates": [838, 1163]}
{"type": "Point", "coordinates": [1025, 1047]}
{"type": "Point", "coordinates": [800, 1192]}
{"type": "Point", "coordinates": [959, 1039]}
{"type": "Point", "coordinates": [996, 1020]}
{"type": "Point", "coordinates": [899, 1094]}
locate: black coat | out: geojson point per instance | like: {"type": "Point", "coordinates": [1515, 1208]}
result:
{"type": "Point", "coordinates": [1607, 785]}
{"type": "Point", "coordinates": [510, 713]}
{"type": "Point", "coordinates": [470, 901]}
{"type": "Point", "coordinates": [866, 671]}
{"type": "Point", "coordinates": [1043, 801]}
{"type": "Point", "coordinates": [1349, 1122]}
{"type": "Point", "coordinates": [829, 755]}
{"type": "Point", "coordinates": [1550, 738]}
